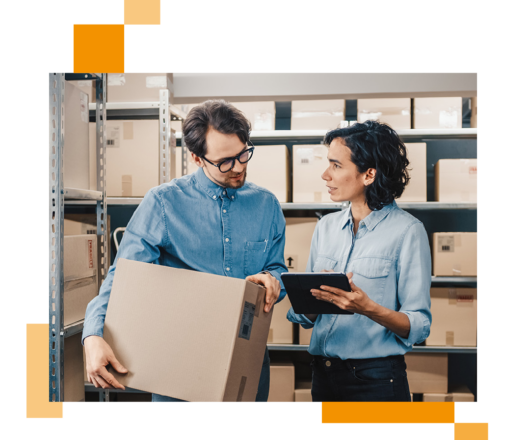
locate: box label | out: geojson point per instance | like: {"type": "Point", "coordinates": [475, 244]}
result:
{"type": "Point", "coordinates": [446, 243]}
{"type": "Point", "coordinates": [247, 320]}
{"type": "Point", "coordinates": [113, 136]}
{"type": "Point", "coordinates": [305, 156]}
{"type": "Point", "coordinates": [291, 261]}
{"type": "Point", "coordinates": [156, 82]}
{"type": "Point", "coordinates": [116, 79]}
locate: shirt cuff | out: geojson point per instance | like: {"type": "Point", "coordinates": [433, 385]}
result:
{"type": "Point", "coordinates": [419, 329]}
{"type": "Point", "coordinates": [93, 327]}
{"type": "Point", "coordinates": [299, 319]}
{"type": "Point", "coordinates": [276, 275]}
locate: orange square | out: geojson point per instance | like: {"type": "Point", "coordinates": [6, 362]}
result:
{"type": "Point", "coordinates": [142, 12]}
{"type": "Point", "coordinates": [471, 431]}
{"type": "Point", "coordinates": [99, 48]}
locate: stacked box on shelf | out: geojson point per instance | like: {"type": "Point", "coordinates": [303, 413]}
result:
{"type": "Point", "coordinates": [281, 382]}
{"type": "Point", "coordinates": [318, 114]}
{"type": "Point", "coordinates": [298, 234]}
{"type": "Point", "coordinates": [416, 189]}
{"type": "Point", "coordinates": [261, 115]}
{"type": "Point", "coordinates": [427, 372]}
{"type": "Point", "coordinates": [269, 168]}
{"type": "Point", "coordinates": [454, 254]}
{"type": "Point", "coordinates": [305, 335]}
{"type": "Point", "coordinates": [457, 393]}
{"type": "Point", "coordinates": [74, 382]}
{"type": "Point", "coordinates": [137, 87]}
{"type": "Point", "coordinates": [473, 122]}
{"type": "Point", "coordinates": [432, 113]}
{"type": "Point", "coordinates": [281, 329]}
{"type": "Point", "coordinates": [302, 392]}
{"type": "Point", "coordinates": [482, 180]}
{"type": "Point", "coordinates": [392, 111]}
{"type": "Point", "coordinates": [309, 163]}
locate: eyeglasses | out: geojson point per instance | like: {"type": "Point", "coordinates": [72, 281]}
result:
{"type": "Point", "coordinates": [226, 165]}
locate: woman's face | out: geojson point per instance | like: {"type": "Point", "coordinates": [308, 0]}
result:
{"type": "Point", "coordinates": [343, 180]}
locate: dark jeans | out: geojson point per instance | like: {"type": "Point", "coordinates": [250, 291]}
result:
{"type": "Point", "coordinates": [360, 380]}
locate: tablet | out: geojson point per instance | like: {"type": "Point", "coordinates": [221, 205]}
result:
{"type": "Point", "coordinates": [299, 284]}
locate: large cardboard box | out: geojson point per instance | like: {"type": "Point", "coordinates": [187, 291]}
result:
{"type": "Point", "coordinates": [202, 337]}
{"type": "Point", "coordinates": [324, 114]}
{"type": "Point", "coordinates": [137, 87]}
{"type": "Point", "coordinates": [74, 383]}
{"type": "Point", "coordinates": [503, 317]}
{"type": "Point", "coordinates": [427, 372]}
{"type": "Point", "coordinates": [261, 115]}
{"type": "Point", "coordinates": [132, 157]}
{"type": "Point", "coordinates": [416, 189]}
{"type": "Point", "coordinates": [269, 168]}
{"type": "Point", "coordinates": [500, 112]}
{"type": "Point", "coordinates": [481, 254]}
{"type": "Point", "coordinates": [392, 111]}
{"type": "Point", "coordinates": [309, 163]}
{"type": "Point", "coordinates": [482, 180]}
{"type": "Point", "coordinates": [459, 393]}
{"type": "Point", "coordinates": [454, 317]}
{"type": "Point", "coordinates": [305, 335]}
{"type": "Point", "coordinates": [281, 330]}
{"type": "Point", "coordinates": [282, 382]}
{"type": "Point", "coordinates": [298, 234]}
{"type": "Point", "coordinates": [302, 392]}
{"type": "Point", "coordinates": [76, 171]}
{"type": "Point", "coordinates": [437, 113]}
{"type": "Point", "coordinates": [80, 275]}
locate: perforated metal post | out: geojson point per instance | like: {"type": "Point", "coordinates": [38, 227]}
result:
{"type": "Point", "coordinates": [164, 123]}
{"type": "Point", "coordinates": [56, 221]}
{"type": "Point", "coordinates": [184, 151]}
{"type": "Point", "coordinates": [101, 144]}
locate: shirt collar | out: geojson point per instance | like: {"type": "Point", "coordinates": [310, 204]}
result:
{"type": "Point", "coordinates": [211, 188]}
{"type": "Point", "coordinates": [372, 219]}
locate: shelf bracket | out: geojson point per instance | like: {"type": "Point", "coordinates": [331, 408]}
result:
{"type": "Point", "coordinates": [164, 137]}
{"type": "Point", "coordinates": [101, 145]}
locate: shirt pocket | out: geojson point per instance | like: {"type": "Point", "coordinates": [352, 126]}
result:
{"type": "Point", "coordinates": [255, 256]}
{"type": "Point", "coordinates": [324, 263]}
{"type": "Point", "coordinates": [371, 274]}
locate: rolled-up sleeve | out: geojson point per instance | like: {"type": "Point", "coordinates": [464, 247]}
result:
{"type": "Point", "coordinates": [414, 283]}
{"type": "Point", "coordinates": [145, 235]}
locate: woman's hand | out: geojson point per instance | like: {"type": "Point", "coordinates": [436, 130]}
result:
{"type": "Point", "coordinates": [355, 300]}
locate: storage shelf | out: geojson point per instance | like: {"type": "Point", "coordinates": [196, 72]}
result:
{"type": "Point", "coordinates": [424, 206]}
{"type": "Point", "coordinates": [72, 329]}
{"type": "Point", "coordinates": [415, 349]}
{"type": "Point", "coordinates": [127, 105]}
{"type": "Point", "coordinates": [454, 281]}
{"type": "Point", "coordinates": [82, 194]}
{"type": "Point", "coordinates": [91, 388]}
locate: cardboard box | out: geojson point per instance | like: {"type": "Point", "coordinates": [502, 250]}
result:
{"type": "Point", "coordinates": [503, 317]}
{"type": "Point", "coordinates": [309, 163]}
{"type": "Point", "coordinates": [261, 115]}
{"type": "Point", "coordinates": [174, 353]}
{"type": "Point", "coordinates": [137, 87]}
{"type": "Point", "coordinates": [481, 254]}
{"type": "Point", "coordinates": [305, 335]}
{"type": "Point", "coordinates": [427, 372]}
{"type": "Point", "coordinates": [132, 157]}
{"type": "Point", "coordinates": [482, 180]}
{"type": "Point", "coordinates": [282, 382]}
{"type": "Point", "coordinates": [437, 113]}
{"type": "Point", "coordinates": [76, 171]}
{"type": "Point", "coordinates": [416, 190]}
{"type": "Point", "coordinates": [454, 317]}
{"type": "Point", "coordinates": [269, 168]}
{"type": "Point", "coordinates": [458, 393]}
{"type": "Point", "coordinates": [80, 275]}
{"type": "Point", "coordinates": [392, 111]}
{"type": "Point", "coordinates": [281, 330]}
{"type": "Point", "coordinates": [176, 163]}
{"type": "Point", "coordinates": [74, 383]}
{"type": "Point", "coordinates": [298, 234]}
{"type": "Point", "coordinates": [302, 392]}
{"type": "Point", "coordinates": [317, 115]}
{"type": "Point", "coordinates": [500, 112]}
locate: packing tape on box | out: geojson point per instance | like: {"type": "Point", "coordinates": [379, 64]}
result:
{"type": "Point", "coordinates": [78, 283]}
{"type": "Point", "coordinates": [457, 270]}
{"type": "Point", "coordinates": [449, 338]}
{"type": "Point", "coordinates": [452, 293]}
{"type": "Point", "coordinates": [116, 79]}
{"type": "Point", "coordinates": [126, 185]}
{"type": "Point", "coordinates": [128, 130]}
{"type": "Point", "coordinates": [241, 388]}
{"type": "Point", "coordinates": [156, 82]}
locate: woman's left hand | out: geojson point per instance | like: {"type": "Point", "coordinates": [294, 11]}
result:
{"type": "Point", "coordinates": [355, 300]}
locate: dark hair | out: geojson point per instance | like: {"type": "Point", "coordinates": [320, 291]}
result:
{"type": "Point", "coordinates": [217, 114]}
{"type": "Point", "coordinates": [376, 145]}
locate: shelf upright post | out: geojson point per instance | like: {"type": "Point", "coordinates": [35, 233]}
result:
{"type": "Point", "coordinates": [56, 234]}
{"type": "Point", "coordinates": [101, 145]}
{"type": "Point", "coordinates": [184, 152]}
{"type": "Point", "coordinates": [164, 136]}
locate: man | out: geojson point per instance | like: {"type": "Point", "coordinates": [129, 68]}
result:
{"type": "Point", "coordinates": [210, 221]}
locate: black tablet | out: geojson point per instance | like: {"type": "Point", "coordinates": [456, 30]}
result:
{"type": "Point", "coordinates": [299, 284]}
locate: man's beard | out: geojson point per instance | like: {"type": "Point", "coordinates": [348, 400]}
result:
{"type": "Point", "coordinates": [227, 183]}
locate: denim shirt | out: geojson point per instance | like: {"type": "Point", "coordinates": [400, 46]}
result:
{"type": "Point", "coordinates": [192, 223]}
{"type": "Point", "coordinates": [390, 260]}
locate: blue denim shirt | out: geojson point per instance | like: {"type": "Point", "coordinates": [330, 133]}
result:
{"type": "Point", "coordinates": [390, 260]}
{"type": "Point", "coordinates": [192, 223]}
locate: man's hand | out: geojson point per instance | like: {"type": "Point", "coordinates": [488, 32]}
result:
{"type": "Point", "coordinates": [271, 284]}
{"type": "Point", "coordinates": [98, 356]}
{"type": "Point", "coordinates": [355, 301]}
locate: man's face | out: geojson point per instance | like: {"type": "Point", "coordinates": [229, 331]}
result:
{"type": "Point", "coordinates": [220, 147]}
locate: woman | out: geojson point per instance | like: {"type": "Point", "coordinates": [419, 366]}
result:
{"type": "Point", "coordinates": [385, 253]}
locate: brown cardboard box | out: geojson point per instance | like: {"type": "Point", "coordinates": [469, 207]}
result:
{"type": "Point", "coordinates": [302, 392]}
{"type": "Point", "coordinates": [281, 330]}
{"type": "Point", "coordinates": [454, 317]}
{"type": "Point", "coordinates": [282, 382]}
{"type": "Point", "coordinates": [176, 163]}
{"type": "Point", "coordinates": [132, 157]}
{"type": "Point", "coordinates": [76, 155]}
{"type": "Point", "coordinates": [481, 254]}
{"type": "Point", "coordinates": [305, 335]}
{"type": "Point", "coordinates": [427, 372]}
{"type": "Point", "coordinates": [482, 180]}
{"type": "Point", "coordinates": [261, 115]}
{"type": "Point", "coordinates": [74, 384]}
{"type": "Point", "coordinates": [324, 114]}
{"type": "Point", "coordinates": [437, 113]}
{"type": "Point", "coordinates": [309, 163]}
{"type": "Point", "coordinates": [416, 189]}
{"type": "Point", "coordinates": [80, 275]}
{"type": "Point", "coordinates": [137, 87]}
{"type": "Point", "coordinates": [503, 317]}
{"type": "Point", "coordinates": [215, 358]}
{"type": "Point", "coordinates": [500, 112]}
{"type": "Point", "coordinates": [269, 168]}
{"type": "Point", "coordinates": [392, 111]}
{"type": "Point", "coordinates": [298, 234]}
{"type": "Point", "coordinates": [456, 394]}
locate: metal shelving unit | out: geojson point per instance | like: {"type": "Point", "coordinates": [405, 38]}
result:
{"type": "Point", "coordinates": [415, 349]}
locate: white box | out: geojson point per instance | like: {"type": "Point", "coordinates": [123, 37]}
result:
{"type": "Point", "coordinates": [437, 113]}
{"type": "Point", "coordinates": [392, 111]}
{"type": "Point", "coordinates": [324, 114]}
{"type": "Point", "coordinates": [309, 163]}
{"type": "Point", "coordinates": [269, 168]}
{"type": "Point", "coordinates": [262, 115]}
{"type": "Point", "coordinates": [416, 190]}
{"type": "Point", "coordinates": [138, 87]}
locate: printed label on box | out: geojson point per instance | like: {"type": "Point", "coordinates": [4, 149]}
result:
{"type": "Point", "coordinates": [305, 156]}
{"type": "Point", "coordinates": [291, 261]}
{"type": "Point", "coordinates": [472, 170]}
{"type": "Point", "coordinates": [113, 136]}
{"type": "Point", "coordinates": [247, 319]}
{"type": "Point", "coordinates": [263, 121]}
{"type": "Point", "coordinates": [446, 243]}
{"type": "Point", "coordinates": [448, 119]}
{"type": "Point", "coordinates": [156, 82]}
{"type": "Point", "coordinates": [116, 79]}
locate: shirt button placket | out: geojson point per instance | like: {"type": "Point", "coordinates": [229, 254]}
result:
{"type": "Point", "coordinates": [227, 242]}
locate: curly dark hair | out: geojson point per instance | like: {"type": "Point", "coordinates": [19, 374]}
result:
{"type": "Point", "coordinates": [217, 114]}
{"type": "Point", "coordinates": [376, 145]}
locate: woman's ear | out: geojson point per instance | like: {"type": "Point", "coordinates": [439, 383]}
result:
{"type": "Point", "coordinates": [369, 176]}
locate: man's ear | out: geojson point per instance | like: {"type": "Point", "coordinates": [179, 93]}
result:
{"type": "Point", "coordinates": [197, 160]}
{"type": "Point", "coordinates": [369, 176]}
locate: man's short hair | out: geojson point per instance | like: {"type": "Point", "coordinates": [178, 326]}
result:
{"type": "Point", "coordinates": [217, 114]}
